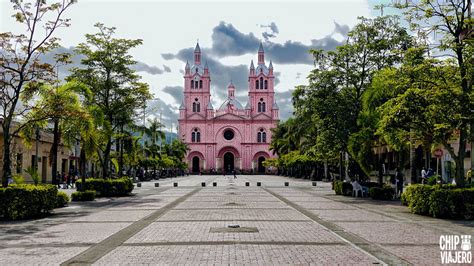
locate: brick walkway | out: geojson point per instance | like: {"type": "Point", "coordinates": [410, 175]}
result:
{"type": "Point", "coordinates": [188, 224]}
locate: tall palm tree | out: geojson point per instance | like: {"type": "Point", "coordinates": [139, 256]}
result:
{"type": "Point", "coordinates": [61, 106]}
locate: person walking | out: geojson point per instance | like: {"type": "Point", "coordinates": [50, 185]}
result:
{"type": "Point", "coordinates": [234, 172]}
{"type": "Point", "coordinates": [400, 181]}
{"type": "Point", "coordinates": [58, 179]}
{"type": "Point", "coordinates": [68, 180]}
{"type": "Point", "coordinates": [393, 183]}
{"type": "Point", "coordinates": [424, 175]}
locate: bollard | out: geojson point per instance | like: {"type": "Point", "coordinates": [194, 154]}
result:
{"type": "Point", "coordinates": [259, 184]}
{"type": "Point", "coordinates": [214, 184]}
{"type": "Point", "coordinates": [314, 183]}
{"type": "Point", "coordinates": [287, 184]}
{"type": "Point", "coordinates": [157, 184]}
{"type": "Point", "coordinates": [247, 184]}
{"type": "Point", "coordinates": [175, 184]}
{"type": "Point", "coordinates": [139, 184]}
{"type": "Point", "coordinates": [203, 184]}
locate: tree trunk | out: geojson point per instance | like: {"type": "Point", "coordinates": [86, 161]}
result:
{"type": "Point", "coordinates": [459, 178]}
{"type": "Point", "coordinates": [412, 162]}
{"type": "Point", "coordinates": [340, 166]}
{"type": "Point", "coordinates": [54, 151]}
{"type": "Point", "coordinates": [7, 170]}
{"type": "Point", "coordinates": [105, 163]}
{"type": "Point", "coordinates": [380, 163]}
{"type": "Point", "coordinates": [120, 161]}
{"type": "Point", "coordinates": [82, 164]}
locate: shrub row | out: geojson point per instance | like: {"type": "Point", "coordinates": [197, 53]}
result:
{"type": "Point", "coordinates": [62, 199]}
{"type": "Point", "coordinates": [345, 188]}
{"type": "Point", "coordinates": [107, 187]}
{"type": "Point", "coordinates": [342, 188]}
{"type": "Point", "coordinates": [381, 193]}
{"type": "Point", "coordinates": [88, 195]}
{"type": "Point", "coordinates": [27, 201]}
{"type": "Point", "coordinates": [440, 201]}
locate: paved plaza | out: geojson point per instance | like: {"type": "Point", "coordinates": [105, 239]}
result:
{"type": "Point", "coordinates": [189, 224]}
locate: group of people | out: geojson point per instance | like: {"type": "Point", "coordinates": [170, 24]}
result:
{"type": "Point", "coordinates": [425, 174]}
{"type": "Point", "coordinates": [67, 180]}
{"type": "Point", "coordinates": [233, 172]}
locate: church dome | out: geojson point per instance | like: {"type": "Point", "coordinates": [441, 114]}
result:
{"type": "Point", "coordinates": [197, 69]}
{"type": "Point", "coordinates": [261, 68]}
{"type": "Point", "coordinates": [231, 102]}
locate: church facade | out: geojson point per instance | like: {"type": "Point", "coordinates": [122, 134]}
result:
{"type": "Point", "coordinates": [231, 136]}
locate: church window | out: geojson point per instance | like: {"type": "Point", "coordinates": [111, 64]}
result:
{"type": "Point", "coordinates": [229, 134]}
{"type": "Point", "coordinates": [266, 84]}
{"type": "Point", "coordinates": [261, 83]}
{"type": "Point", "coordinates": [200, 84]}
{"type": "Point", "coordinates": [262, 136]}
{"type": "Point", "coordinates": [196, 135]}
{"type": "Point", "coordinates": [196, 84]}
{"type": "Point", "coordinates": [256, 84]}
{"type": "Point", "coordinates": [196, 106]}
{"type": "Point", "coordinates": [261, 106]}
{"type": "Point", "coordinates": [192, 84]}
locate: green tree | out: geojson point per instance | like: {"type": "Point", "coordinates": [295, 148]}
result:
{"type": "Point", "coordinates": [155, 133]}
{"type": "Point", "coordinates": [61, 106]}
{"type": "Point", "coordinates": [332, 101]}
{"type": "Point", "coordinates": [428, 111]}
{"type": "Point", "coordinates": [116, 90]}
{"type": "Point", "coordinates": [21, 65]}
{"type": "Point", "coordinates": [452, 25]}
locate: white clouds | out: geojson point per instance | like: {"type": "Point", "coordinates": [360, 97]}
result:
{"type": "Point", "coordinates": [170, 26]}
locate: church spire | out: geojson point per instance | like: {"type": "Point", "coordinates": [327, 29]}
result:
{"type": "Point", "coordinates": [252, 68]}
{"type": "Point", "coordinates": [186, 68]}
{"type": "Point", "coordinates": [261, 55]}
{"type": "Point", "coordinates": [206, 69]}
{"type": "Point", "coordinates": [231, 90]}
{"type": "Point", "coordinates": [197, 54]}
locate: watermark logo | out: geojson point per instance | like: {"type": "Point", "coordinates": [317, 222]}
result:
{"type": "Point", "coordinates": [455, 248]}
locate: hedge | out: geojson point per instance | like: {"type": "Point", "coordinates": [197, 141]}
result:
{"type": "Point", "coordinates": [342, 188]}
{"type": "Point", "coordinates": [382, 193]}
{"type": "Point", "coordinates": [27, 201]}
{"type": "Point", "coordinates": [440, 201]}
{"type": "Point", "coordinates": [107, 187]}
{"type": "Point", "coordinates": [337, 187]}
{"type": "Point", "coordinates": [88, 195]}
{"type": "Point", "coordinates": [62, 199]}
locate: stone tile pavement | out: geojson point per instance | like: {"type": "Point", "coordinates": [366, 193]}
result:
{"type": "Point", "coordinates": [299, 224]}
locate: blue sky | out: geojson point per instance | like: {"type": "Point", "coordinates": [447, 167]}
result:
{"type": "Point", "coordinates": [228, 33]}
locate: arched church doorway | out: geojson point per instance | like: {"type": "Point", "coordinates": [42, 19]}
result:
{"type": "Point", "coordinates": [229, 161]}
{"type": "Point", "coordinates": [261, 167]}
{"type": "Point", "coordinates": [196, 164]}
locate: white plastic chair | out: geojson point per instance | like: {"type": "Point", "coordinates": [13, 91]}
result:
{"type": "Point", "coordinates": [356, 187]}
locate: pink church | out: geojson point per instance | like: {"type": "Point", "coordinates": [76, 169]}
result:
{"type": "Point", "coordinates": [233, 136]}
